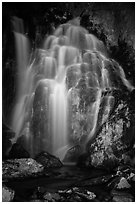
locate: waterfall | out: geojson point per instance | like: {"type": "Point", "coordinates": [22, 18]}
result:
{"type": "Point", "coordinates": [59, 118]}
{"type": "Point", "coordinates": [69, 59]}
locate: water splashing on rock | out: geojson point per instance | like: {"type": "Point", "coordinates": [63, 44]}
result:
{"type": "Point", "coordinates": [70, 81]}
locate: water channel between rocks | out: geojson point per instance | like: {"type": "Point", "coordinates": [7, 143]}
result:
{"type": "Point", "coordinates": [58, 179]}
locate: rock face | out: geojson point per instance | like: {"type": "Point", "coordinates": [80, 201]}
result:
{"type": "Point", "coordinates": [114, 24]}
{"type": "Point", "coordinates": [113, 142]}
{"type": "Point", "coordinates": [48, 160]}
{"type": "Point", "coordinates": [39, 123]}
{"type": "Point", "coordinates": [20, 168]}
{"type": "Point", "coordinates": [7, 194]}
{"type": "Point", "coordinates": [7, 135]}
{"type": "Point", "coordinates": [106, 122]}
{"type": "Point", "coordinates": [90, 80]}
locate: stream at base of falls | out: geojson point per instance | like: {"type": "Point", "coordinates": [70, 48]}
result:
{"type": "Point", "coordinates": [67, 181]}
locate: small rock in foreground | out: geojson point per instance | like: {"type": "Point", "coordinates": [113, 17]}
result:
{"type": "Point", "coordinates": [50, 197]}
{"type": "Point", "coordinates": [123, 184]}
{"type": "Point", "coordinates": [120, 196]}
{"type": "Point", "coordinates": [77, 194]}
{"type": "Point", "coordinates": [7, 194]}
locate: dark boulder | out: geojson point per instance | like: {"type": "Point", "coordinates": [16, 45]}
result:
{"type": "Point", "coordinates": [48, 160]}
{"type": "Point", "coordinates": [83, 160]}
{"type": "Point", "coordinates": [73, 154]}
{"type": "Point", "coordinates": [17, 152]}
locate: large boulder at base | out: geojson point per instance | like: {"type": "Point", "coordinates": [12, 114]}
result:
{"type": "Point", "coordinates": [17, 152]}
{"type": "Point", "coordinates": [48, 160]}
{"type": "Point", "coordinates": [7, 194]}
{"type": "Point", "coordinates": [113, 143]}
{"type": "Point", "coordinates": [20, 168]}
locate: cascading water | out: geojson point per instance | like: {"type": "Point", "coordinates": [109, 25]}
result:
{"type": "Point", "coordinates": [51, 89]}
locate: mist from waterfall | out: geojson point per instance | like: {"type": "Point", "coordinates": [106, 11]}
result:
{"type": "Point", "coordinates": [70, 47]}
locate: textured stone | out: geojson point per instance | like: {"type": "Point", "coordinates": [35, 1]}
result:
{"type": "Point", "coordinates": [48, 197]}
{"type": "Point", "coordinates": [7, 194]}
{"type": "Point", "coordinates": [20, 168]}
{"type": "Point", "coordinates": [51, 197]}
{"type": "Point", "coordinates": [131, 177]}
{"type": "Point", "coordinates": [39, 137]}
{"type": "Point", "coordinates": [119, 196]}
{"type": "Point", "coordinates": [93, 105]}
{"type": "Point", "coordinates": [123, 184]}
{"type": "Point", "coordinates": [77, 194]}
{"type": "Point", "coordinates": [113, 141]}
{"type": "Point", "coordinates": [48, 160]}
{"type": "Point", "coordinates": [88, 195]}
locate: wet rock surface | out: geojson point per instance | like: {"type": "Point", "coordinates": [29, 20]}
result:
{"type": "Point", "coordinates": [112, 143]}
{"type": "Point", "coordinates": [20, 168]}
{"type": "Point", "coordinates": [72, 154]}
{"type": "Point", "coordinates": [85, 79]}
{"type": "Point", "coordinates": [39, 122]}
{"type": "Point", "coordinates": [48, 160]}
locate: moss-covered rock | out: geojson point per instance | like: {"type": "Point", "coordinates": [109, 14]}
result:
{"type": "Point", "coordinates": [114, 140]}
